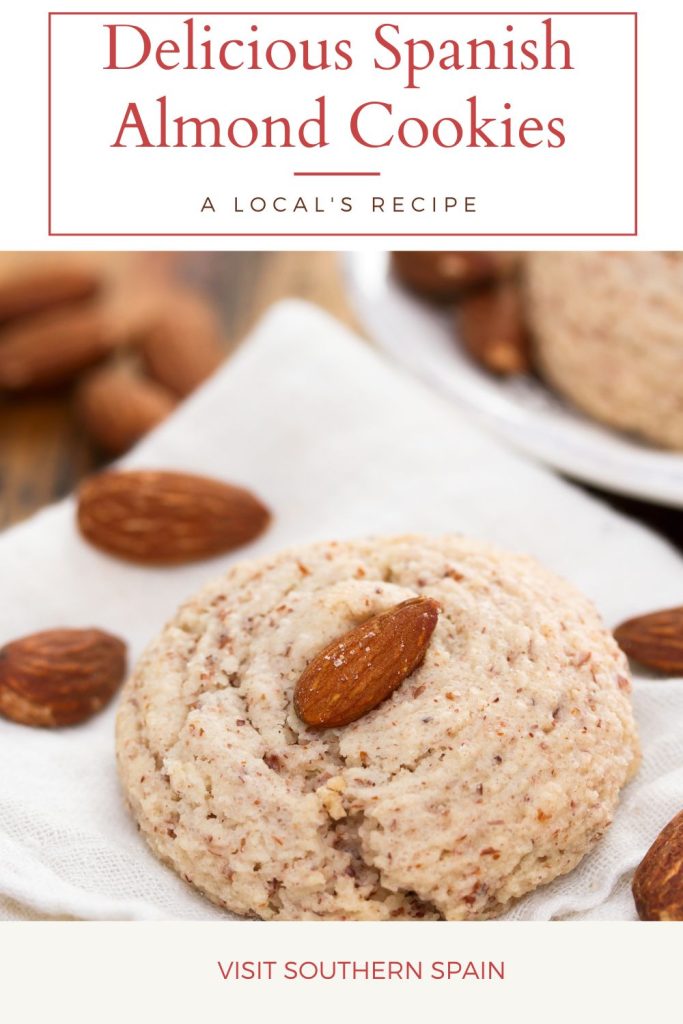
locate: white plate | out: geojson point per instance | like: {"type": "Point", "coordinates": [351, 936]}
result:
{"type": "Point", "coordinates": [521, 409]}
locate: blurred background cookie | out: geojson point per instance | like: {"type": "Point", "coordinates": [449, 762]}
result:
{"type": "Point", "coordinates": [608, 335]}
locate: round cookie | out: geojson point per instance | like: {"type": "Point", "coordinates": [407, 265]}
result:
{"type": "Point", "coordinates": [608, 335]}
{"type": "Point", "coordinates": [492, 769]}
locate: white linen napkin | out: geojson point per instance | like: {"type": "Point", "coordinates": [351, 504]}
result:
{"type": "Point", "coordinates": [339, 443]}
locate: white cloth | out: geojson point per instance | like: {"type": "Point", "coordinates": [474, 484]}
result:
{"type": "Point", "coordinates": [340, 444]}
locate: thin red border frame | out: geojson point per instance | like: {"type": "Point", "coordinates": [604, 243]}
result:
{"type": "Point", "coordinates": [343, 234]}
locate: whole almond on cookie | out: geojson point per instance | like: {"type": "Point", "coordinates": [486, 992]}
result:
{"type": "Point", "coordinates": [360, 669]}
{"type": "Point", "coordinates": [655, 640]}
{"type": "Point", "coordinates": [51, 349]}
{"type": "Point", "coordinates": [157, 517]}
{"type": "Point", "coordinates": [60, 676]}
{"type": "Point", "coordinates": [182, 345]}
{"type": "Point", "coordinates": [33, 291]}
{"type": "Point", "coordinates": [117, 407]}
{"type": "Point", "coordinates": [658, 881]}
{"type": "Point", "coordinates": [493, 329]}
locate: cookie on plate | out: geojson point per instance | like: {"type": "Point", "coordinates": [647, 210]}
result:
{"type": "Point", "coordinates": [608, 335]}
{"type": "Point", "coordinates": [491, 770]}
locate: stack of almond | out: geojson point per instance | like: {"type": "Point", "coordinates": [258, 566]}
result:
{"type": "Point", "coordinates": [130, 351]}
{"type": "Point", "coordinates": [130, 355]}
{"type": "Point", "coordinates": [486, 292]}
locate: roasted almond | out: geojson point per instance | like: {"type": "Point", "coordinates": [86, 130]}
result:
{"type": "Point", "coordinates": [51, 349]}
{"type": "Point", "coordinates": [117, 407]}
{"type": "Point", "coordinates": [444, 276]}
{"type": "Point", "coordinates": [658, 881]}
{"type": "Point", "coordinates": [182, 346]}
{"type": "Point", "coordinates": [492, 328]}
{"type": "Point", "coordinates": [159, 517]}
{"type": "Point", "coordinates": [356, 672]}
{"type": "Point", "coordinates": [655, 640]}
{"type": "Point", "coordinates": [33, 291]}
{"type": "Point", "coordinates": [61, 676]}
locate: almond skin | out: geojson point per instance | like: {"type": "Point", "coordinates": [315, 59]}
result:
{"type": "Point", "coordinates": [182, 346]}
{"type": "Point", "coordinates": [34, 291]}
{"type": "Point", "coordinates": [360, 669]}
{"type": "Point", "coordinates": [156, 517]}
{"type": "Point", "coordinates": [45, 351]}
{"type": "Point", "coordinates": [60, 677]}
{"type": "Point", "coordinates": [117, 407]}
{"type": "Point", "coordinates": [493, 329]}
{"type": "Point", "coordinates": [444, 276]}
{"type": "Point", "coordinates": [658, 881]}
{"type": "Point", "coordinates": [655, 640]}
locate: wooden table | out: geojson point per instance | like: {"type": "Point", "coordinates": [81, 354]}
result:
{"type": "Point", "coordinates": [43, 452]}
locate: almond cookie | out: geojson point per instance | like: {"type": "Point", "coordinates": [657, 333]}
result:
{"type": "Point", "coordinates": [494, 767]}
{"type": "Point", "coordinates": [608, 329]}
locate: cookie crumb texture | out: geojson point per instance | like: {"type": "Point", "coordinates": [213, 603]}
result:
{"type": "Point", "coordinates": [608, 335]}
{"type": "Point", "coordinates": [490, 771]}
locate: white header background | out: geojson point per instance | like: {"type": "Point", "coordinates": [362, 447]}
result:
{"type": "Point", "coordinates": [585, 187]}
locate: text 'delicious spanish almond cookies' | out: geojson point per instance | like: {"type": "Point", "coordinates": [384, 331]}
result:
{"type": "Point", "coordinates": [469, 730]}
{"type": "Point", "coordinates": [608, 335]}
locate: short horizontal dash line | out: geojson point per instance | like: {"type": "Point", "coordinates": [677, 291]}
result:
{"type": "Point", "coordinates": [337, 174]}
